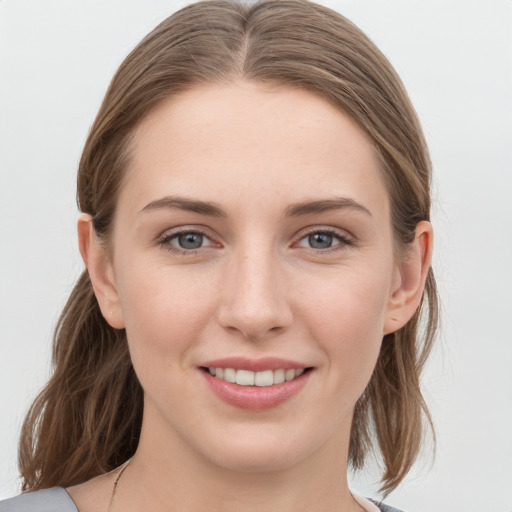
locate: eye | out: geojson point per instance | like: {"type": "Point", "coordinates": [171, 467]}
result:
{"type": "Point", "coordinates": [320, 240]}
{"type": "Point", "coordinates": [189, 240]}
{"type": "Point", "coordinates": [186, 241]}
{"type": "Point", "coordinates": [323, 240]}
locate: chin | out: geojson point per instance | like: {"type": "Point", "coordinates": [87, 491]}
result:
{"type": "Point", "coordinates": [263, 448]}
{"type": "Point", "coordinates": [259, 459]}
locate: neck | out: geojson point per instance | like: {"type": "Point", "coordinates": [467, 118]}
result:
{"type": "Point", "coordinates": [166, 475]}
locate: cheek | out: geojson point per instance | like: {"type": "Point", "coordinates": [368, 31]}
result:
{"type": "Point", "coordinates": [348, 300]}
{"type": "Point", "coordinates": [164, 310]}
{"type": "Point", "coordinates": [346, 319]}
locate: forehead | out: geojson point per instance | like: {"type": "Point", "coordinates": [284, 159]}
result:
{"type": "Point", "coordinates": [254, 142]}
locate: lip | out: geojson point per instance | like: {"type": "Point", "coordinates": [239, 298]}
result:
{"type": "Point", "coordinates": [254, 365]}
{"type": "Point", "coordinates": [254, 398]}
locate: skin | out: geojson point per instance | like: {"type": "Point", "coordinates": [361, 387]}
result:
{"type": "Point", "coordinates": [254, 288]}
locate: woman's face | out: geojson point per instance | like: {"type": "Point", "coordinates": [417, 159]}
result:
{"type": "Point", "coordinates": [253, 236]}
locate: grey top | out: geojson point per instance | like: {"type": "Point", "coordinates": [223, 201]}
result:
{"type": "Point", "coordinates": [56, 499]}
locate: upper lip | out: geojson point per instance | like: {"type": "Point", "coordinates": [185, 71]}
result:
{"type": "Point", "coordinates": [255, 365]}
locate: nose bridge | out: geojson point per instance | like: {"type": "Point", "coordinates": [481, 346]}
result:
{"type": "Point", "coordinates": [255, 300]}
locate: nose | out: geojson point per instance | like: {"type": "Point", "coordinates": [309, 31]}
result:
{"type": "Point", "coordinates": [254, 297]}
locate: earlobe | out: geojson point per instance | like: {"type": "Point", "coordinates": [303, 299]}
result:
{"type": "Point", "coordinates": [411, 277]}
{"type": "Point", "coordinates": [101, 273]}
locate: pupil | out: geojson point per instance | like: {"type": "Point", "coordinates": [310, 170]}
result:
{"type": "Point", "coordinates": [320, 240]}
{"type": "Point", "coordinates": [190, 241]}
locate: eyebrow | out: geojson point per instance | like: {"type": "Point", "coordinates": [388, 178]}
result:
{"type": "Point", "coordinates": [189, 205]}
{"type": "Point", "coordinates": [324, 205]}
{"type": "Point", "coordinates": [295, 210]}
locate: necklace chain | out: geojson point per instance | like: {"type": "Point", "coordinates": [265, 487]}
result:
{"type": "Point", "coordinates": [116, 482]}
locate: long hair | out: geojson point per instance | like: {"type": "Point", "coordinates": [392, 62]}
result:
{"type": "Point", "coordinates": [87, 419]}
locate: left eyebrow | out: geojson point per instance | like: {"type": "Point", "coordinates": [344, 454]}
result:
{"type": "Point", "coordinates": [324, 205]}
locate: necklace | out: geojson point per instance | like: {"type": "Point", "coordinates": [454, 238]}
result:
{"type": "Point", "coordinates": [116, 481]}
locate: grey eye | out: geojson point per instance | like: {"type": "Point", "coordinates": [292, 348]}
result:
{"type": "Point", "coordinates": [190, 240]}
{"type": "Point", "coordinates": [320, 240]}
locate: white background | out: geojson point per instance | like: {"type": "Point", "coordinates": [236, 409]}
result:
{"type": "Point", "coordinates": [455, 57]}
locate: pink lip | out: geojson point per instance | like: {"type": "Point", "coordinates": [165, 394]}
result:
{"type": "Point", "coordinates": [255, 398]}
{"type": "Point", "coordinates": [254, 365]}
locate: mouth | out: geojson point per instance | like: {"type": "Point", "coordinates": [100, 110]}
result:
{"type": "Point", "coordinates": [263, 378]}
{"type": "Point", "coordinates": [255, 384]}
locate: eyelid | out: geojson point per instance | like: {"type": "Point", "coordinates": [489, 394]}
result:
{"type": "Point", "coordinates": [343, 237]}
{"type": "Point", "coordinates": [164, 240]}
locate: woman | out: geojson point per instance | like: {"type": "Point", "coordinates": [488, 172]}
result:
{"type": "Point", "coordinates": [255, 227]}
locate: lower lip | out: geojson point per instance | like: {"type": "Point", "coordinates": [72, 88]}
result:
{"type": "Point", "coordinates": [256, 398]}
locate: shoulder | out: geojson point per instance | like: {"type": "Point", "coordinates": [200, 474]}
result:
{"type": "Point", "coordinates": [373, 505]}
{"type": "Point", "coordinates": [382, 507]}
{"type": "Point", "coordinates": [55, 499]}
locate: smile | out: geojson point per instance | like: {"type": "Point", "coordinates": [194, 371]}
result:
{"type": "Point", "coordinates": [263, 378]}
{"type": "Point", "coordinates": [255, 384]}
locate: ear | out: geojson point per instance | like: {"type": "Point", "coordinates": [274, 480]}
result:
{"type": "Point", "coordinates": [410, 279]}
{"type": "Point", "coordinates": [101, 272]}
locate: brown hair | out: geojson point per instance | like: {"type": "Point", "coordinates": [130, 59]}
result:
{"type": "Point", "coordinates": [87, 419]}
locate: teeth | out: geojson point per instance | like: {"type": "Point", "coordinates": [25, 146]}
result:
{"type": "Point", "coordinates": [265, 378]}
{"type": "Point", "coordinates": [289, 375]}
{"type": "Point", "coordinates": [262, 379]}
{"type": "Point", "coordinates": [244, 378]}
{"type": "Point", "coordinates": [229, 374]}
{"type": "Point", "coordinates": [278, 376]}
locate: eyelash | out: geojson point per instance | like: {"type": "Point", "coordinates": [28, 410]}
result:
{"type": "Point", "coordinates": [165, 241]}
{"type": "Point", "coordinates": [343, 240]}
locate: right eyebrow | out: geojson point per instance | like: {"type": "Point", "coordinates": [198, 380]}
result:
{"type": "Point", "coordinates": [187, 204]}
